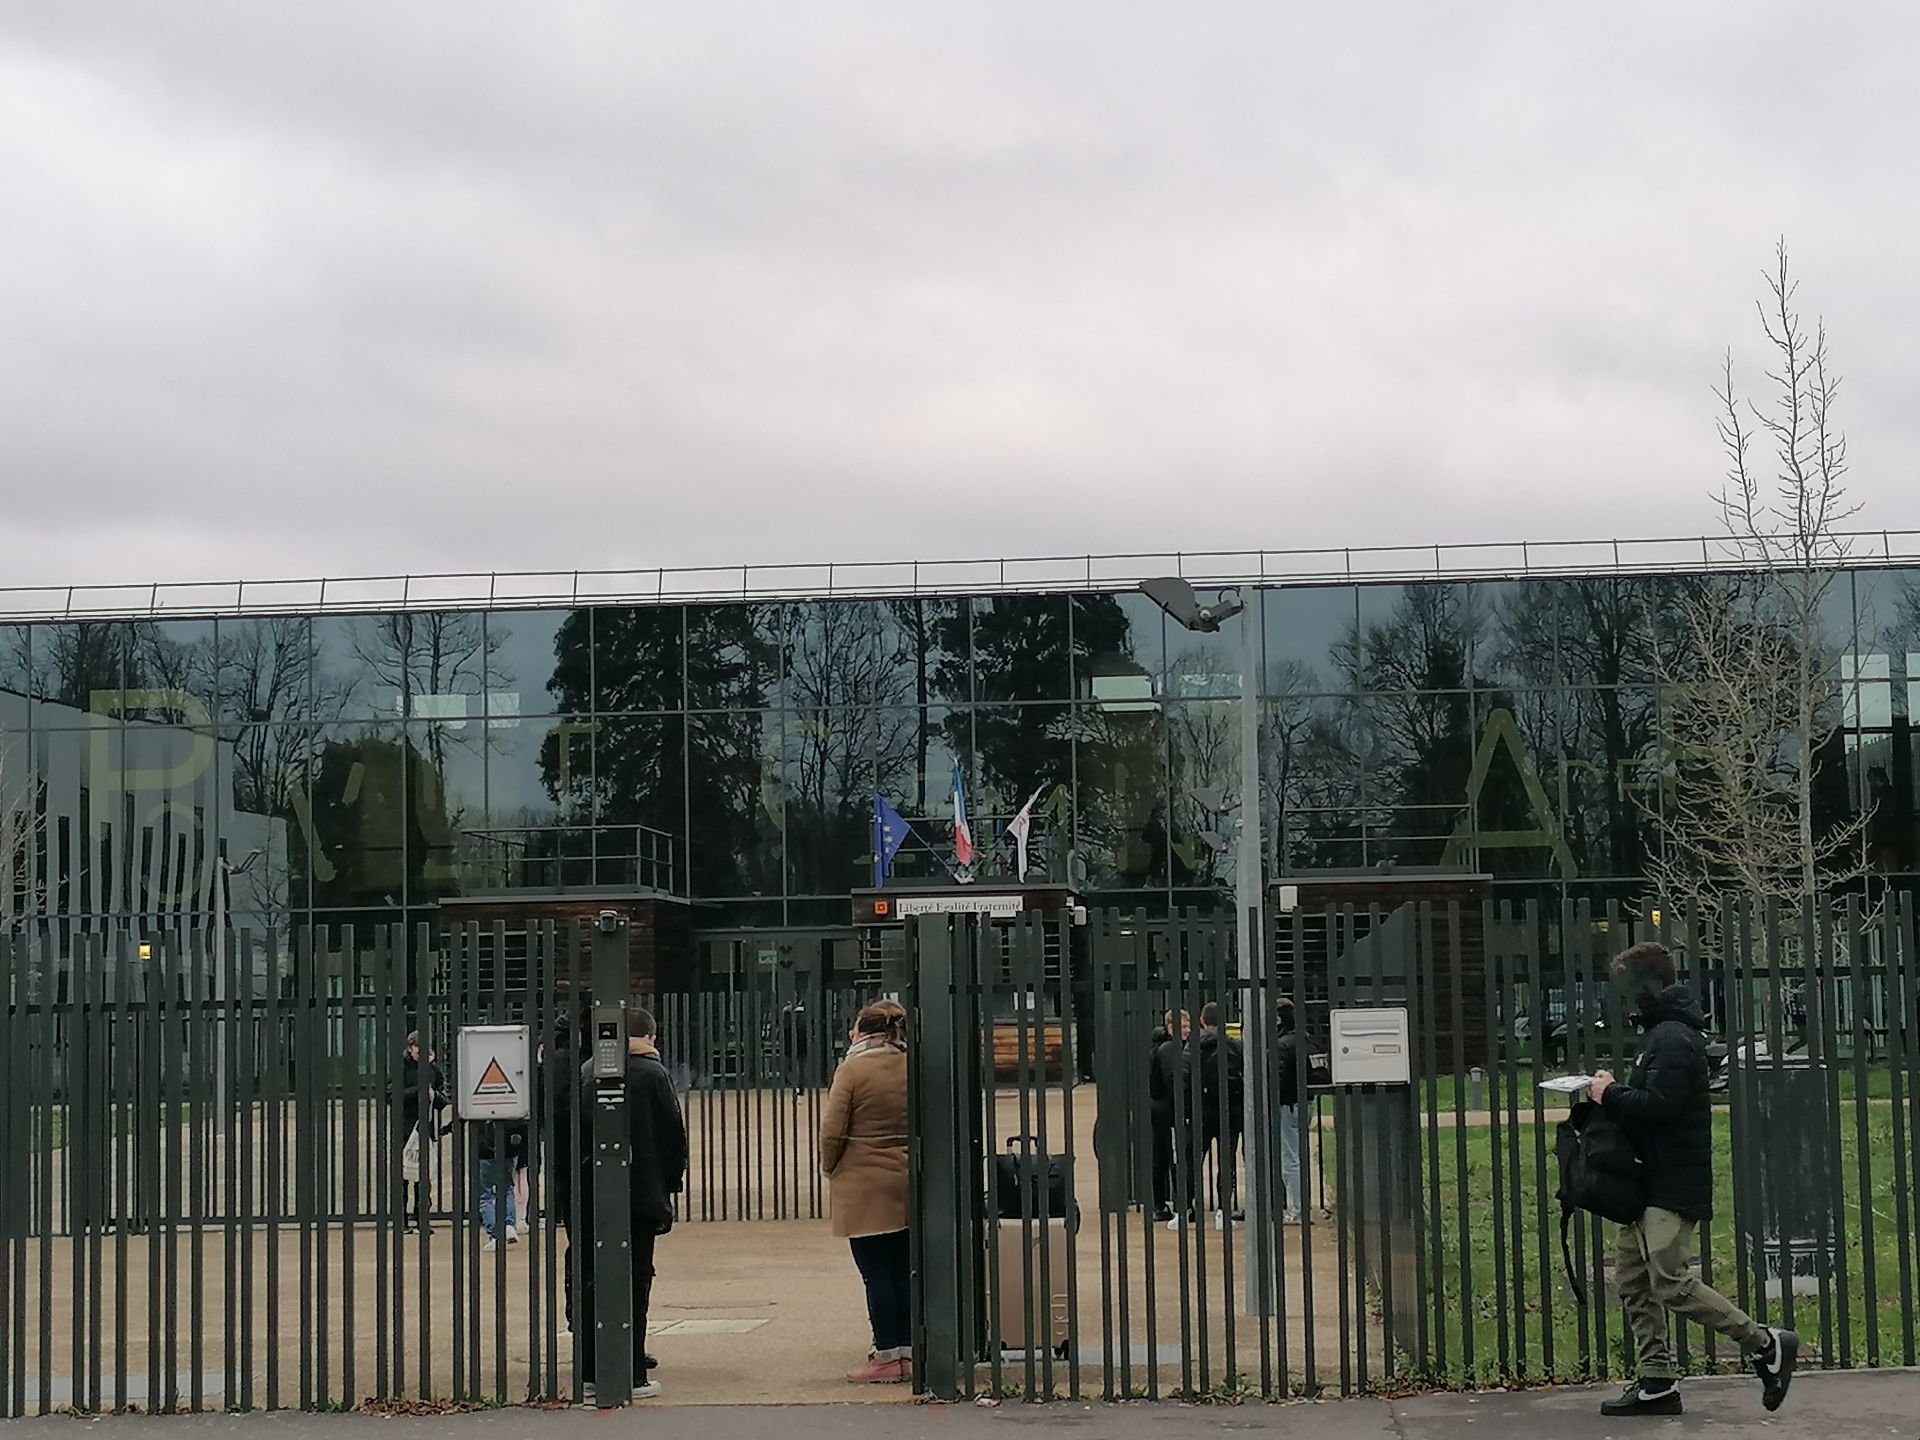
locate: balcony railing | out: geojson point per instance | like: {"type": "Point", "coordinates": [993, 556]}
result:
{"type": "Point", "coordinates": [870, 579]}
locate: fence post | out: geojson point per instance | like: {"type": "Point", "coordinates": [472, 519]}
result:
{"type": "Point", "coordinates": [944, 1130]}
{"type": "Point", "coordinates": [611, 1280]}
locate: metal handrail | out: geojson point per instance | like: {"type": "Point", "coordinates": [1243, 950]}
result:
{"type": "Point", "coordinates": [874, 579]}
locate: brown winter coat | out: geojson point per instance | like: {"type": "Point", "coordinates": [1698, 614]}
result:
{"type": "Point", "coordinates": [863, 1142]}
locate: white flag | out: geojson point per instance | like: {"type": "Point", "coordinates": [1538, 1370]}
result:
{"type": "Point", "coordinates": [1018, 828]}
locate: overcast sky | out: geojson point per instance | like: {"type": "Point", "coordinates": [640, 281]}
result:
{"type": "Point", "coordinates": [357, 287]}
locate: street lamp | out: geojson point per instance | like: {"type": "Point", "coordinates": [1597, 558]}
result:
{"type": "Point", "coordinates": [1177, 599]}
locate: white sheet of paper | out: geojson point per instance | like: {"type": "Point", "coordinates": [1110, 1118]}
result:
{"type": "Point", "coordinates": [1567, 1084]}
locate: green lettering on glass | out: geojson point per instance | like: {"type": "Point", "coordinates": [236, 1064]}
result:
{"type": "Point", "coordinates": [1503, 732]}
{"type": "Point", "coordinates": [104, 775]}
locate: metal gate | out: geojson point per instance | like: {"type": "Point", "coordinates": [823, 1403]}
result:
{"type": "Point", "coordinates": [1426, 1249]}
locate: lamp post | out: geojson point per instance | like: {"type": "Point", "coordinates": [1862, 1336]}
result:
{"type": "Point", "coordinates": [1176, 597]}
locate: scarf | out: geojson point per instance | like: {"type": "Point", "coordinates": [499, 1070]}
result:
{"type": "Point", "coordinates": [873, 1044]}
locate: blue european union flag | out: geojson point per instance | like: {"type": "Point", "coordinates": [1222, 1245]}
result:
{"type": "Point", "coordinates": [889, 834]}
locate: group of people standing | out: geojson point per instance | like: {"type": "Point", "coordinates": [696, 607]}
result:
{"type": "Point", "coordinates": [1197, 1096]}
{"type": "Point", "coordinates": [863, 1153]}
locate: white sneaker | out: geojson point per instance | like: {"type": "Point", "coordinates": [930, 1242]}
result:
{"type": "Point", "coordinates": [1292, 1217]}
{"type": "Point", "coordinates": [489, 1245]}
{"type": "Point", "coordinates": [648, 1391]}
{"type": "Point", "coordinates": [513, 1235]}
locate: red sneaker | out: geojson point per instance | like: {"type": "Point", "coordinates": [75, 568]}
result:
{"type": "Point", "coordinates": [881, 1372]}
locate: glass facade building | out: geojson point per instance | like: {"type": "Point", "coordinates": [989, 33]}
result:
{"type": "Point", "coordinates": [284, 768]}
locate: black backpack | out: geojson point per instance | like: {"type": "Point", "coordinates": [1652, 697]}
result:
{"type": "Point", "coordinates": [1599, 1173]}
{"type": "Point", "coordinates": [1040, 1184]}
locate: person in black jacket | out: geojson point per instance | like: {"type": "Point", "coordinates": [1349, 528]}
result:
{"type": "Point", "coordinates": [657, 1141]}
{"type": "Point", "coordinates": [1286, 1109]}
{"type": "Point", "coordinates": [1166, 1073]}
{"type": "Point", "coordinates": [1222, 1066]}
{"type": "Point", "coordinates": [420, 1098]}
{"type": "Point", "coordinates": [793, 1044]}
{"type": "Point", "coordinates": [1664, 1106]}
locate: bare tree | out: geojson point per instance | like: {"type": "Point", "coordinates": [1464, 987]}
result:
{"type": "Point", "coordinates": [1752, 681]}
{"type": "Point", "coordinates": [22, 819]}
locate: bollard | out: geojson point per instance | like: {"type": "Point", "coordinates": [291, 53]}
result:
{"type": "Point", "coordinates": [1476, 1089]}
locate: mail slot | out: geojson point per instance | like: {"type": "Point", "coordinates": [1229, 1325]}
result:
{"type": "Point", "coordinates": [1371, 1047]}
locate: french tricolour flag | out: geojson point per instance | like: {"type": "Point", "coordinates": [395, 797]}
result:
{"type": "Point", "coordinates": [962, 831]}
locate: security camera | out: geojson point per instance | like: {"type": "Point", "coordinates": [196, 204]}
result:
{"type": "Point", "coordinates": [1176, 596]}
{"type": "Point", "coordinates": [611, 921]}
{"type": "Point", "coordinates": [1216, 801]}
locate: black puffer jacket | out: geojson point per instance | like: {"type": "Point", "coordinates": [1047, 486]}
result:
{"type": "Point", "coordinates": [1166, 1074]}
{"type": "Point", "coordinates": [1664, 1105]}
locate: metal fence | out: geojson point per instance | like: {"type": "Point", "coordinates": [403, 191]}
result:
{"type": "Point", "coordinates": [202, 1199]}
{"type": "Point", "coordinates": [202, 1204]}
{"type": "Point", "coordinates": [1427, 1248]}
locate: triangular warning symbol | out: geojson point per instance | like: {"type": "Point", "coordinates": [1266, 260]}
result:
{"type": "Point", "coordinates": [494, 1081]}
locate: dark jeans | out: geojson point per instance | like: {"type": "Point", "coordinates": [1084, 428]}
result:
{"type": "Point", "coordinates": [1224, 1149]}
{"type": "Point", "coordinates": [886, 1265]}
{"type": "Point", "coordinates": [583, 1328]}
{"type": "Point", "coordinates": [1163, 1171]}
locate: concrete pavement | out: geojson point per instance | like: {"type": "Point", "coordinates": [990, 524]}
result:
{"type": "Point", "coordinates": [1840, 1406]}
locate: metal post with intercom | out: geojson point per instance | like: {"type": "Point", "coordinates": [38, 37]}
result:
{"type": "Point", "coordinates": [1371, 1060]}
{"type": "Point", "coordinates": [611, 1253]}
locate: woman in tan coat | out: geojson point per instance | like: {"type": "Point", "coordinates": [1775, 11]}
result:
{"type": "Point", "coordinates": [863, 1152]}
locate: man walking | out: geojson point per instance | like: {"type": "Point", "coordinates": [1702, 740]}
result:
{"type": "Point", "coordinates": [1664, 1108]}
{"type": "Point", "coordinates": [657, 1147]}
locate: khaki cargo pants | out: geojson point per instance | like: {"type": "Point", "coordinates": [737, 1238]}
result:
{"type": "Point", "coordinates": [1653, 1273]}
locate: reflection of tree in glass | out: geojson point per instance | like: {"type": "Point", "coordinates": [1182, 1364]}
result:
{"type": "Point", "coordinates": [1412, 668]}
{"type": "Point", "coordinates": [67, 663]}
{"type": "Point", "coordinates": [1414, 671]}
{"type": "Point", "coordinates": [267, 683]}
{"type": "Point", "coordinates": [1203, 739]}
{"type": "Point", "coordinates": [1308, 747]}
{"type": "Point", "coordinates": [23, 820]}
{"type": "Point", "coordinates": [432, 653]}
{"type": "Point", "coordinates": [851, 732]}
{"type": "Point", "coordinates": [1583, 663]}
{"type": "Point", "coordinates": [371, 845]}
{"type": "Point", "coordinates": [636, 660]}
{"type": "Point", "coordinates": [918, 622]}
{"type": "Point", "coordinates": [1023, 648]}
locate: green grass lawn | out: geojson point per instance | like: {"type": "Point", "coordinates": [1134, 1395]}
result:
{"type": "Point", "coordinates": [1539, 1305]}
{"type": "Point", "coordinates": [1878, 1083]}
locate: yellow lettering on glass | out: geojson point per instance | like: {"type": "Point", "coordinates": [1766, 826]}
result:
{"type": "Point", "coordinates": [103, 774]}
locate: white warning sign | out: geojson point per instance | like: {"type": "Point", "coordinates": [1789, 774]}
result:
{"type": "Point", "coordinates": [491, 1068]}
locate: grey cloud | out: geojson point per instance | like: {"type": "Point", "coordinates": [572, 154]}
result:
{"type": "Point", "coordinates": [357, 287]}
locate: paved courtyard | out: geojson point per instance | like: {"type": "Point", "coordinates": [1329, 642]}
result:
{"type": "Point", "coordinates": [745, 1311]}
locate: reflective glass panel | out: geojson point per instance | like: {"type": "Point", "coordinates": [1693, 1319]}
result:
{"type": "Point", "coordinates": [1309, 638]}
{"type": "Point", "coordinates": [536, 658]}
{"type": "Point", "coordinates": [639, 653]}
{"type": "Point", "coordinates": [737, 803]}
